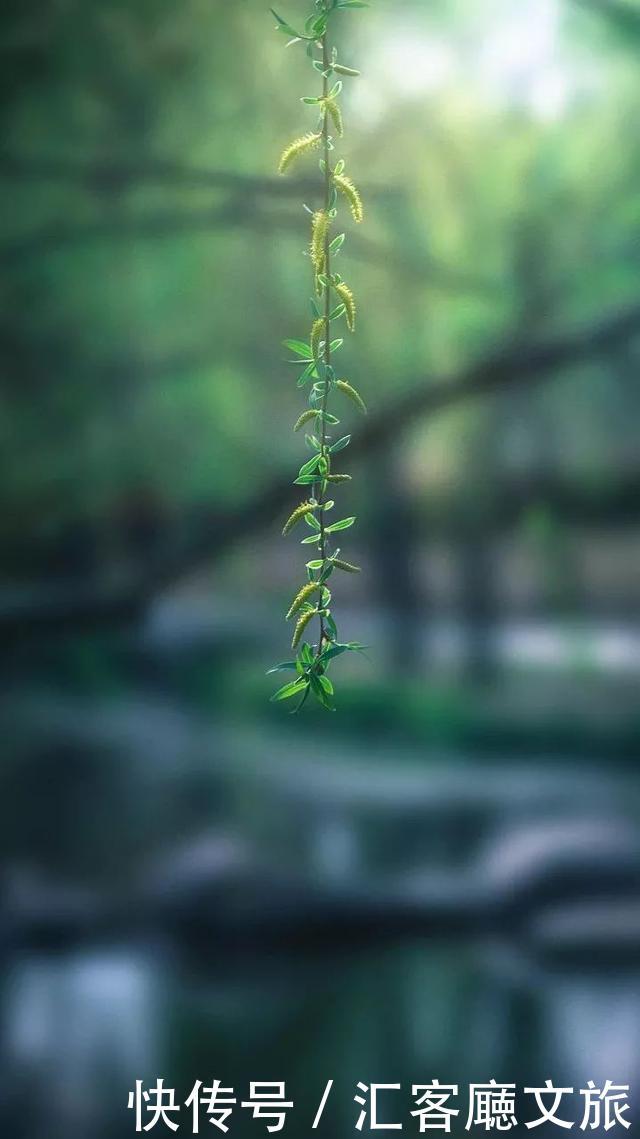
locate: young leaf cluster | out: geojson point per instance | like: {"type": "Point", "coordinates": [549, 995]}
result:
{"type": "Point", "coordinates": [332, 301]}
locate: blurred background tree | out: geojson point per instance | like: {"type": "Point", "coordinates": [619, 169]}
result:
{"type": "Point", "coordinates": [151, 260]}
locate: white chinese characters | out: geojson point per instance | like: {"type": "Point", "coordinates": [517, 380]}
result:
{"type": "Point", "coordinates": [385, 1107]}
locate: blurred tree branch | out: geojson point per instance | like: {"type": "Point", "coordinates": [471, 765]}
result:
{"type": "Point", "coordinates": [239, 212]}
{"type": "Point", "coordinates": [114, 175]}
{"type": "Point", "coordinates": [611, 501]}
{"type": "Point", "coordinates": [512, 366]}
{"type": "Point", "coordinates": [111, 176]}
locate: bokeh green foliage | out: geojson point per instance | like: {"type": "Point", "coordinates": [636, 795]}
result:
{"type": "Point", "coordinates": [144, 305]}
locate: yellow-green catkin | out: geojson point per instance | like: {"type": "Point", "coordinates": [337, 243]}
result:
{"type": "Point", "coordinates": [310, 413]}
{"type": "Point", "coordinates": [301, 624]}
{"type": "Point", "coordinates": [296, 148]}
{"type": "Point", "coordinates": [352, 394]}
{"type": "Point", "coordinates": [304, 594]}
{"type": "Point", "coordinates": [349, 302]}
{"type": "Point", "coordinates": [317, 333]}
{"type": "Point", "coordinates": [297, 516]}
{"type": "Point", "coordinates": [338, 478]}
{"type": "Point", "coordinates": [346, 187]}
{"type": "Point", "coordinates": [319, 228]}
{"type": "Point", "coordinates": [346, 566]}
{"type": "Point", "coordinates": [335, 114]}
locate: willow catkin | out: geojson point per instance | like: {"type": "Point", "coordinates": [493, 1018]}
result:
{"type": "Point", "coordinates": [310, 413]}
{"type": "Point", "coordinates": [301, 624]}
{"type": "Point", "coordinates": [299, 146]}
{"type": "Point", "coordinates": [352, 394]}
{"type": "Point", "coordinates": [297, 516]}
{"type": "Point", "coordinates": [335, 114]}
{"type": "Point", "coordinates": [317, 333]}
{"type": "Point", "coordinates": [346, 187]}
{"type": "Point", "coordinates": [319, 229]}
{"type": "Point", "coordinates": [303, 595]}
{"type": "Point", "coordinates": [349, 302]}
{"type": "Point", "coordinates": [338, 478]}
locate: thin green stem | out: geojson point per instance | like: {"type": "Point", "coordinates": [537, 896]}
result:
{"type": "Point", "coordinates": [312, 602]}
{"type": "Point", "coordinates": [327, 317]}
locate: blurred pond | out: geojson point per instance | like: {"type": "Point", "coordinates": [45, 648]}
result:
{"type": "Point", "coordinates": [198, 895]}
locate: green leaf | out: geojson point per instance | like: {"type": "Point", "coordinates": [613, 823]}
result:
{"type": "Point", "coordinates": [334, 651]}
{"type": "Point", "coordinates": [299, 347]}
{"type": "Point", "coordinates": [320, 693]}
{"type": "Point", "coordinates": [291, 689]}
{"type": "Point", "coordinates": [338, 242]}
{"type": "Point", "coordinates": [313, 538]}
{"type": "Point", "coordinates": [302, 702]}
{"type": "Point", "coordinates": [316, 564]}
{"type": "Point", "coordinates": [342, 70]}
{"type": "Point", "coordinates": [343, 524]}
{"type": "Point", "coordinates": [346, 567]}
{"type": "Point", "coordinates": [341, 444]}
{"type": "Point", "coordinates": [310, 466]}
{"type": "Point", "coordinates": [286, 665]}
{"type": "Point", "coordinates": [312, 522]}
{"type": "Point", "coordinates": [306, 654]}
{"type": "Point", "coordinates": [283, 23]}
{"type": "Point", "coordinates": [310, 100]}
{"type": "Point", "coordinates": [336, 344]}
{"type": "Point", "coordinates": [286, 28]}
{"type": "Point", "coordinates": [306, 375]}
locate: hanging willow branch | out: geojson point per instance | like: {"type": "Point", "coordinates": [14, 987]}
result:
{"type": "Point", "coordinates": [333, 300]}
